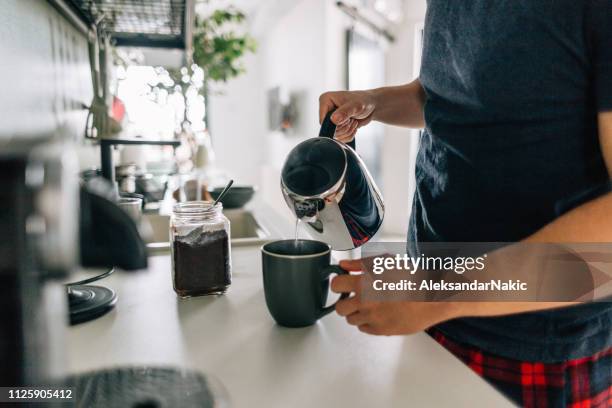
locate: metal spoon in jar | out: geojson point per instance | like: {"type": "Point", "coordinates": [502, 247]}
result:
{"type": "Point", "coordinates": [225, 190]}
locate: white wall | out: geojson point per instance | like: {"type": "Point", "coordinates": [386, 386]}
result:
{"type": "Point", "coordinates": [303, 50]}
{"type": "Point", "coordinates": [238, 124]}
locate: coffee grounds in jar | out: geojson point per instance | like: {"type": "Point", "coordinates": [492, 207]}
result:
{"type": "Point", "coordinates": [202, 263]}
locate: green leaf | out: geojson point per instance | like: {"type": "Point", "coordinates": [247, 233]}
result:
{"type": "Point", "coordinates": [217, 48]}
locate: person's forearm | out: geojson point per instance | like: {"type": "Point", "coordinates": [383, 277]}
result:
{"type": "Point", "coordinates": [400, 105]}
{"type": "Point", "coordinates": [590, 222]}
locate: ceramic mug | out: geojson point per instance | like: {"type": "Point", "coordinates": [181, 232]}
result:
{"type": "Point", "coordinates": [296, 280]}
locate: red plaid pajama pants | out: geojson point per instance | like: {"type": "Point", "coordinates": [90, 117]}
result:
{"type": "Point", "coordinates": [581, 383]}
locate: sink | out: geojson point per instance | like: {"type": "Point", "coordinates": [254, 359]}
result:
{"type": "Point", "coordinates": [244, 230]}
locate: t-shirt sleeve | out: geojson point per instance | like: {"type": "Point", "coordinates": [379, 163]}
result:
{"type": "Point", "coordinates": [600, 28]}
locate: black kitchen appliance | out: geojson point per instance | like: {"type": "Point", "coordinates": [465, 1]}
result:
{"type": "Point", "coordinates": [108, 239]}
{"type": "Point", "coordinates": [49, 226]}
{"type": "Point", "coordinates": [38, 246]}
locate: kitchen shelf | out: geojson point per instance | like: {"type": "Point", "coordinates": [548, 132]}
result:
{"type": "Point", "coordinates": [141, 23]}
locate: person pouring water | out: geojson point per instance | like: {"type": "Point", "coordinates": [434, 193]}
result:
{"type": "Point", "coordinates": [517, 147]}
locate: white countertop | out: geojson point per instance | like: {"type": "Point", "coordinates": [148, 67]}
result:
{"type": "Point", "coordinates": [330, 364]}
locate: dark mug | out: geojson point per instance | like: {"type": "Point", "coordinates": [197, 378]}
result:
{"type": "Point", "coordinates": [296, 280]}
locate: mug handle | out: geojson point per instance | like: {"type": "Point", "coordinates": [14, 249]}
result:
{"type": "Point", "coordinates": [328, 270]}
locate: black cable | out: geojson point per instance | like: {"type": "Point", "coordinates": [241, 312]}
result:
{"type": "Point", "coordinates": [92, 279]}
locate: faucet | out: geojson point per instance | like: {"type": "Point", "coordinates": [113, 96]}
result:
{"type": "Point", "coordinates": [106, 154]}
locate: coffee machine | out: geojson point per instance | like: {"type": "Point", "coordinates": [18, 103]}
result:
{"type": "Point", "coordinates": [39, 246]}
{"type": "Point", "coordinates": [49, 225]}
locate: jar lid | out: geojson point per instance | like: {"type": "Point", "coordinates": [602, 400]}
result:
{"type": "Point", "coordinates": [195, 208]}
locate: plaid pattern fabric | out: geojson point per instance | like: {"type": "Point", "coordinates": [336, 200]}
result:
{"type": "Point", "coordinates": [580, 383]}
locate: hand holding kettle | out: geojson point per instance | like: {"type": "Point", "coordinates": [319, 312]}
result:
{"type": "Point", "coordinates": [354, 109]}
{"type": "Point", "coordinates": [393, 105]}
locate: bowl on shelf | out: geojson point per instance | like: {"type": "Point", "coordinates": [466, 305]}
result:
{"type": "Point", "coordinates": [236, 197]}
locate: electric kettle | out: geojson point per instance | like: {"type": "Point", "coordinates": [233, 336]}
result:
{"type": "Point", "coordinates": [328, 187]}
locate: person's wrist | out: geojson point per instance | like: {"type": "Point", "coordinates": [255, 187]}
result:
{"type": "Point", "coordinates": [374, 97]}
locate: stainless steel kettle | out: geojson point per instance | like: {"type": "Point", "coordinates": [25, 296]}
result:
{"type": "Point", "coordinates": [328, 187]}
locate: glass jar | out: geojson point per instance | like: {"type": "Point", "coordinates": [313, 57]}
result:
{"type": "Point", "coordinates": [200, 241]}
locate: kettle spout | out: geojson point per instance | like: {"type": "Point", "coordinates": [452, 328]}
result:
{"type": "Point", "coordinates": [308, 210]}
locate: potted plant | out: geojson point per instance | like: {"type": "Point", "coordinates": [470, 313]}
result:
{"type": "Point", "coordinates": [218, 49]}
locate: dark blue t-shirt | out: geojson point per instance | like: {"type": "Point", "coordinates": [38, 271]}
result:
{"type": "Point", "coordinates": [511, 142]}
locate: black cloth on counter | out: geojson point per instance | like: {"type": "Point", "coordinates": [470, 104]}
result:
{"type": "Point", "coordinates": [511, 143]}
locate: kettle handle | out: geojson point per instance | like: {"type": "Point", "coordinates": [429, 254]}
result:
{"type": "Point", "coordinates": [328, 128]}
